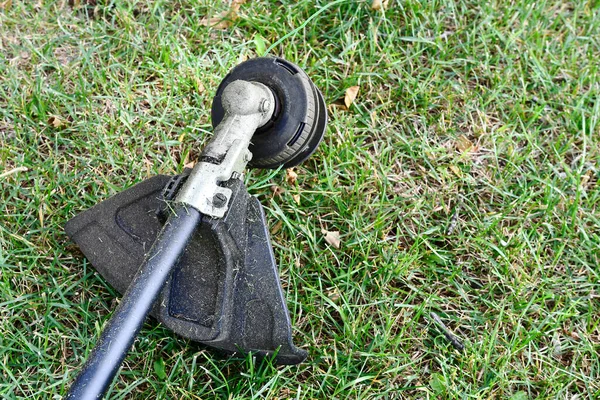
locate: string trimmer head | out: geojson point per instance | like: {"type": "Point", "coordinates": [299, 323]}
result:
{"type": "Point", "coordinates": [193, 249]}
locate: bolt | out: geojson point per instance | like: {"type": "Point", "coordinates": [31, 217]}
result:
{"type": "Point", "coordinates": [236, 175]}
{"type": "Point", "coordinates": [265, 104]}
{"type": "Point", "coordinates": [219, 200]}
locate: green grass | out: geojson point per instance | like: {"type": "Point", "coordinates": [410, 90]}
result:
{"type": "Point", "coordinates": [90, 105]}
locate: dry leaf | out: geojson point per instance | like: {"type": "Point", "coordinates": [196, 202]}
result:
{"type": "Point", "coordinates": [350, 96]}
{"type": "Point", "coordinates": [575, 335]}
{"type": "Point", "coordinates": [337, 104]}
{"type": "Point", "coordinates": [5, 4]}
{"type": "Point", "coordinates": [333, 294]}
{"type": "Point", "coordinates": [224, 19]}
{"type": "Point", "coordinates": [188, 162]}
{"type": "Point", "coordinates": [199, 85]}
{"type": "Point", "coordinates": [41, 214]}
{"type": "Point", "coordinates": [463, 144]}
{"type": "Point", "coordinates": [55, 121]}
{"type": "Point", "coordinates": [296, 198]}
{"type": "Point", "coordinates": [277, 191]}
{"type": "Point", "coordinates": [585, 178]}
{"type": "Point", "coordinates": [456, 171]}
{"type": "Point", "coordinates": [276, 228]}
{"type": "Point", "coordinates": [376, 5]}
{"type": "Point", "coordinates": [291, 176]}
{"type": "Point", "coordinates": [190, 165]}
{"type": "Point", "coordinates": [379, 4]}
{"type": "Point", "coordinates": [235, 4]}
{"type": "Point", "coordinates": [332, 238]}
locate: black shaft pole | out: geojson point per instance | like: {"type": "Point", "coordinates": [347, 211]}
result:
{"type": "Point", "coordinates": [120, 332]}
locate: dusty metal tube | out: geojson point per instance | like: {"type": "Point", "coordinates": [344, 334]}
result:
{"type": "Point", "coordinates": [248, 106]}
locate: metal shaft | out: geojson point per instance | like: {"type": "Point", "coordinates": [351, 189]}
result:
{"type": "Point", "coordinates": [248, 106]}
{"type": "Point", "coordinates": [120, 332]}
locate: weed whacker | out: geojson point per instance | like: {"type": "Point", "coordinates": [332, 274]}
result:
{"type": "Point", "coordinates": [193, 250]}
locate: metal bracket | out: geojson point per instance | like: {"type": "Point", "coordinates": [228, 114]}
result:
{"type": "Point", "coordinates": [248, 106]}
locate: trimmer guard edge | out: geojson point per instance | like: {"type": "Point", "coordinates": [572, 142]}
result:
{"type": "Point", "coordinates": [223, 292]}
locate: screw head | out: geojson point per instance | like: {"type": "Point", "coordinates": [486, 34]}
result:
{"type": "Point", "coordinates": [264, 105]}
{"type": "Point", "coordinates": [219, 200]}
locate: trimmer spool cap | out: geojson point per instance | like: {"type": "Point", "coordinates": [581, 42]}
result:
{"type": "Point", "coordinates": [298, 123]}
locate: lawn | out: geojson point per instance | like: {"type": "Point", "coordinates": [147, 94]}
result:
{"type": "Point", "coordinates": [463, 180]}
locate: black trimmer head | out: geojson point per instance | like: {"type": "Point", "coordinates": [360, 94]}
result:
{"type": "Point", "coordinates": [298, 122]}
{"type": "Point", "coordinates": [193, 250]}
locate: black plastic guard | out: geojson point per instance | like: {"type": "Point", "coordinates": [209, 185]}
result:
{"type": "Point", "coordinates": [224, 291]}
